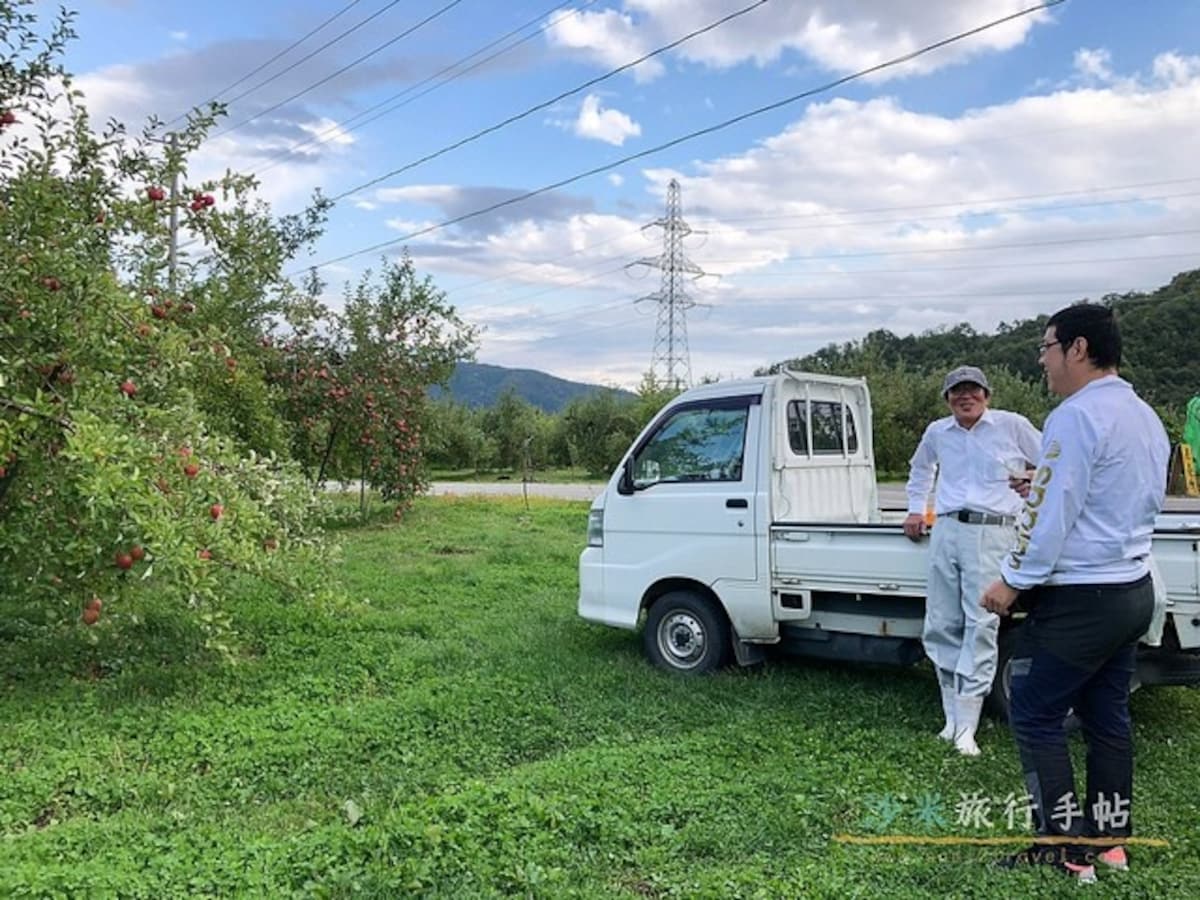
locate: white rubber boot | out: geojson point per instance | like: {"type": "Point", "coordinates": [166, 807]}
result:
{"type": "Point", "coordinates": [966, 720]}
{"type": "Point", "coordinates": [948, 698]}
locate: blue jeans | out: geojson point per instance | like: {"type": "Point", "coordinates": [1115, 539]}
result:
{"type": "Point", "coordinates": [1078, 650]}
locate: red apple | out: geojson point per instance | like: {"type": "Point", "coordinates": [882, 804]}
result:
{"type": "Point", "coordinates": [91, 616]}
{"type": "Point", "coordinates": [8, 117]}
{"type": "Point", "coordinates": [51, 283]}
{"type": "Point", "coordinates": [128, 388]}
{"type": "Point", "coordinates": [205, 554]}
{"type": "Point", "coordinates": [216, 511]}
{"type": "Point", "coordinates": [156, 193]}
{"type": "Point", "coordinates": [191, 470]}
{"type": "Point", "coordinates": [124, 561]}
{"type": "Point", "coordinates": [137, 552]}
{"type": "Point", "coordinates": [95, 603]}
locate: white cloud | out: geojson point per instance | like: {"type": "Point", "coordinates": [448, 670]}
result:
{"type": "Point", "coordinates": [1094, 65]}
{"type": "Point", "coordinates": [609, 125]}
{"type": "Point", "coordinates": [178, 35]}
{"type": "Point", "coordinates": [865, 215]}
{"type": "Point", "coordinates": [839, 35]}
{"type": "Point", "coordinates": [607, 37]}
{"type": "Point", "coordinates": [1173, 69]}
{"type": "Point", "coordinates": [616, 179]}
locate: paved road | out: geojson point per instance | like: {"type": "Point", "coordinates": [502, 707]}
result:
{"type": "Point", "coordinates": [891, 496]}
{"type": "Point", "coordinates": [572, 491]}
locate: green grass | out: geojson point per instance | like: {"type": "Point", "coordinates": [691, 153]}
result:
{"type": "Point", "coordinates": [454, 729]}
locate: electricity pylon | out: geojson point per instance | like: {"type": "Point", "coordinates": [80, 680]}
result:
{"type": "Point", "coordinates": [670, 363]}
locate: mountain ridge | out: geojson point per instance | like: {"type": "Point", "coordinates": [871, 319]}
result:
{"type": "Point", "coordinates": [480, 385]}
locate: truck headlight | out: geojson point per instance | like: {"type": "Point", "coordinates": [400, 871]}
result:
{"type": "Point", "coordinates": [596, 528]}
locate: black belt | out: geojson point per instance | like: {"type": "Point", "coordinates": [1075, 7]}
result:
{"type": "Point", "coordinates": [970, 517]}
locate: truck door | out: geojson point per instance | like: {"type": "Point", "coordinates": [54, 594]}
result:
{"type": "Point", "coordinates": [687, 504]}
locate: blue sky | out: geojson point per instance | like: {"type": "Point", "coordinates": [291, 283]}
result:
{"type": "Point", "coordinates": [1039, 162]}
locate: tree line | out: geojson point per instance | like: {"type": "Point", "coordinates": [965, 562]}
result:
{"type": "Point", "coordinates": [1160, 329]}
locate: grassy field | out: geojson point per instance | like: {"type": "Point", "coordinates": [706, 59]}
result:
{"type": "Point", "coordinates": [454, 730]}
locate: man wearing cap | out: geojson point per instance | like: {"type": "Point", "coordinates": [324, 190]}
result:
{"type": "Point", "coordinates": [970, 452]}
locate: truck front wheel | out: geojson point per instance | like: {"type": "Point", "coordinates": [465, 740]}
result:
{"type": "Point", "coordinates": [686, 633]}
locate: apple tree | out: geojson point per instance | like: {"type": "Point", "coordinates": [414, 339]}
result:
{"type": "Point", "coordinates": [356, 379]}
{"type": "Point", "coordinates": [119, 490]}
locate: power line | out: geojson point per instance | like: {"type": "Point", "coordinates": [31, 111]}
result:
{"type": "Point", "coordinates": [971, 204]}
{"type": "Point", "coordinates": [933, 270]}
{"type": "Point", "coordinates": [329, 133]}
{"type": "Point", "coordinates": [345, 68]}
{"type": "Point", "coordinates": [1014, 246]}
{"type": "Point", "coordinates": [861, 273]}
{"type": "Point", "coordinates": [828, 86]}
{"type": "Point", "coordinates": [854, 224]}
{"type": "Point", "coordinates": [288, 49]}
{"type": "Point", "coordinates": [306, 58]}
{"type": "Point", "coordinates": [835, 298]}
{"type": "Point", "coordinates": [547, 103]}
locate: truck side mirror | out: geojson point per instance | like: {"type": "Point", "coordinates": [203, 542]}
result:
{"type": "Point", "coordinates": [625, 482]}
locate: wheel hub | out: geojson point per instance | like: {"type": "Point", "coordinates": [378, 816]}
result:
{"type": "Point", "coordinates": [681, 639]}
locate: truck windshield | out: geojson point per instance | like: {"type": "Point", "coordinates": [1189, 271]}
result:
{"type": "Point", "coordinates": [695, 444]}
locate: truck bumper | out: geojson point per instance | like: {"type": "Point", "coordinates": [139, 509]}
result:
{"type": "Point", "coordinates": [591, 590]}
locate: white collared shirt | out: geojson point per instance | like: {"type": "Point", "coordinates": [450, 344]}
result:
{"type": "Point", "coordinates": [1101, 481]}
{"type": "Point", "coordinates": [969, 463]}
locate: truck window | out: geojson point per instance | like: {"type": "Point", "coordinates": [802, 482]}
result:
{"type": "Point", "coordinates": [695, 444]}
{"type": "Point", "coordinates": [827, 432]}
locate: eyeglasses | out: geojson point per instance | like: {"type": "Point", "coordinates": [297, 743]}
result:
{"type": "Point", "coordinates": [1042, 348]}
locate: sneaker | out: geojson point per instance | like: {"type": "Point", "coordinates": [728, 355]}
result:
{"type": "Point", "coordinates": [1053, 856]}
{"type": "Point", "coordinates": [1114, 858]}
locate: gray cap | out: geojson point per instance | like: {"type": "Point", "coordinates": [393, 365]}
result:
{"type": "Point", "coordinates": [963, 375]}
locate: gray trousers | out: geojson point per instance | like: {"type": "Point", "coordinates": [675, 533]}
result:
{"type": "Point", "coordinates": [959, 634]}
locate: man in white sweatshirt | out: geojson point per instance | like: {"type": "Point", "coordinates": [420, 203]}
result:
{"type": "Point", "coordinates": [1080, 565]}
{"type": "Point", "coordinates": [970, 451]}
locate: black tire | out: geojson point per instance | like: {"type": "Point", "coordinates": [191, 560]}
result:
{"type": "Point", "coordinates": [998, 703]}
{"type": "Point", "coordinates": [998, 699]}
{"type": "Point", "coordinates": [686, 633]}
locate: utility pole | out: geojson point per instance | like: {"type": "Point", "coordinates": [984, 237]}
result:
{"type": "Point", "coordinates": [670, 363]}
{"type": "Point", "coordinates": [173, 247]}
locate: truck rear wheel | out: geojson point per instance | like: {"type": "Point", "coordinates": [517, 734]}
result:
{"type": "Point", "coordinates": [999, 698]}
{"type": "Point", "coordinates": [999, 701]}
{"type": "Point", "coordinates": [686, 633]}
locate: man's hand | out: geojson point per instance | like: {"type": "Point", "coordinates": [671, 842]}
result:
{"type": "Point", "coordinates": [1021, 484]}
{"type": "Point", "coordinates": [914, 527]}
{"type": "Point", "coordinates": [999, 598]}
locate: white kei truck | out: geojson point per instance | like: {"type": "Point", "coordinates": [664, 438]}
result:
{"type": "Point", "coordinates": [746, 515]}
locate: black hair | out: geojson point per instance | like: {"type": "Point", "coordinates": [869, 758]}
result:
{"type": "Point", "coordinates": [1094, 322]}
